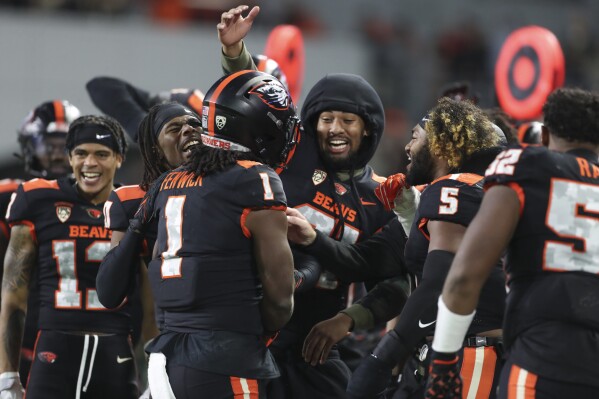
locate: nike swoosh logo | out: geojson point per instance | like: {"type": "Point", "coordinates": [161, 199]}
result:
{"type": "Point", "coordinates": [366, 202]}
{"type": "Point", "coordinates": [102, 136]}
{"type": "Point", "coordinates": [123, 359]}
{"type": "Point", "coordinates": [424, 325]}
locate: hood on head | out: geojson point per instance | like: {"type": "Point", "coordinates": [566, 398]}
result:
{"type": "Point", "coordinates": [347, 93]}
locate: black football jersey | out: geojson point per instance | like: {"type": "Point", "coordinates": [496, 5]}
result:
{"type": "Point", "coordinates": [553, 261]}
{"type": "Point", "coordinates": [348, 211]}
{"type": "Point", "coordinates": [7, 188]}
{"type": "Point", "coordinates": [455, 198]}
{"type": "Point", "coordinates": [121, 206]}
{"type": "Point", "coordinates": [205, 274]}
{"type": "Point", "coordinates": [71, 240]}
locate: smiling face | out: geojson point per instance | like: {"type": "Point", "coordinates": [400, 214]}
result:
{"type": "Point", "coordinates": [94, 166]}
{"type": "Point", "coordinates": [177, 137]}
{"type": "Point", "coordinates": [421, 169]}
{"type": "Point", "coordinates": [340, 136]}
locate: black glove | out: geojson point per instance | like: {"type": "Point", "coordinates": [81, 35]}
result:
{"type": "Point", "coordinates": [370, 379]}
{"type": "Point", "coordinates": [444, 380]}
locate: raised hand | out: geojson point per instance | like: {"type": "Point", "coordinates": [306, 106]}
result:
{"type": "Point", "coordinates": [233, 27]}
{"type": "Point", "coordinates": [390, 189]}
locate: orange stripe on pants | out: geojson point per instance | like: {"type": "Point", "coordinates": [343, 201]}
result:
{"type": "Point", "coordinates": [521, 384]}
{"type": "Point", "coordinates": [244, 388]}
{"type": "Point", "coordinates": [478, 371]}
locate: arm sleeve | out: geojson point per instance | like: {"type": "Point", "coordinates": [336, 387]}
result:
{"type": "Point", "coordinates": [239, 63]}
{"type": "Point", "coordinates": [379, 257]}
{"type": "Point", "coordinates": [307, 271]}
{"type": "Point", "coordinates": [385, 301]}
{"type": "Point", "coordinates": [121, 100]}
{"type": "Point", "coordinates": [114, 280]}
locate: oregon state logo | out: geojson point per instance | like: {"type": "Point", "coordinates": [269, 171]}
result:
{"type": "Point", "coordinates": [94, 213]}
{"type": "Point", "coordinates": [340, 189]}
{"type": "Point", "coordinates": [318, 177]}
{"type": "Point", "coordinates": [47, 357]}
{"type": "Point", "coordinates": [63, 211]}
{"type": "Point", "coordinates": [273, 94]}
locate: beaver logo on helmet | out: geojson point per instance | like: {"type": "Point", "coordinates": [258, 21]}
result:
{"type": "Point", "coordinates": [273, 94]}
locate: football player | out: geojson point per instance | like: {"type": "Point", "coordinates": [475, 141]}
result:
{"type": "Point", "coordinates": [58, 236]}
{"type": "Point", "coordinates": [449, 150]}
{"type": "Point", "coordinates": [540, 203]}
{"type": "Point", "coordinates": [222, 269]}
{"type": "Point", "coordinates": [41, 139]}
{"type": "Point", "coordinates": [330, 182]}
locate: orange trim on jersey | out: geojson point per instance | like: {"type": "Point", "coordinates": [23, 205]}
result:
{"type": "Point", "coordinates": [35, 184]}
{"type": "Point", "coordinates": [519, 192]}
{"type": "Point", "coordinates": [468, 178]}
{"type": "Point", "coordinates": [8, 185]}
{"type": "Point", "coordinates": [478, 371]}
{"type": "Point", "coordinates": [128, 193]}
{"type": "Point", "coordinates": [422, 227]}
{"type": "Point", "coordinates": [29, 224]}
{"type": "Point", "coordinates": [246, 212]}
{"type": "Point", "coordinates": [59, 111]}
{"type": "Point", "coordinates": [521, 384]}
{"type": "Point", "coordinates": [244, 388]}
{"type": "Point", "coordinates": [377, 178]}
{"type": "Point", "coordinates": [195, 102]}
{"type": "Point", "coordinates": [215, 94]}
{"type": "Point", "coordinates": [248, 164]}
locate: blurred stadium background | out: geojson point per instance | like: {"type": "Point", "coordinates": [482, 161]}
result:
{"type": "Point", "coordinates": [408, 49]}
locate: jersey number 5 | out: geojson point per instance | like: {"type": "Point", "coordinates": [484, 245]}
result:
{"type": "Point", "coordinates": [573, 214]}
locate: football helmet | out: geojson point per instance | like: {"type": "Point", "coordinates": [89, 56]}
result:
{"type": "Point", "coordinates": [530, 132]}
{"type": "Point", "coordinates": [42, 138]}
{"type": "Point", "coordinates": [251, 111]}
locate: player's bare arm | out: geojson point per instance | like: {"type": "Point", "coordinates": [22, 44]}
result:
{"type": "Point", "coordinates": [18, 263]}
{"type": "Point", "coordinates": [483, 243]}
{"type": "Point", "coordinates": [233, 27]}
{"type": "Point", "coordinates": [275, 265]}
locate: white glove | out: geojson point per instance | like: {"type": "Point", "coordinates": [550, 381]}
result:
{"type": "Point", "coordinates": [405, 207]}
{"type": "Point", "coordinates": [160, 386]}
{"type": "Point", "coordinates": [10, 386]}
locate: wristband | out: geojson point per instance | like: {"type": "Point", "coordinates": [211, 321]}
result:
{"type": "Point", "coordinates": [451, 329]}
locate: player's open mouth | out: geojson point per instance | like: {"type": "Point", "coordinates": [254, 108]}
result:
{"type": "Point", "coordinates": [187, 147]}
{"type": "Point", "coordinates": [90, 177]}
{"type": "Point", "coordinates": [338, 146]}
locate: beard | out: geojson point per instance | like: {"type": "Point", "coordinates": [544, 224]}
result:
{"type": "Point", "coordinates": [338, 164]}
{"type": "Point", "coordinates": [422, 168]}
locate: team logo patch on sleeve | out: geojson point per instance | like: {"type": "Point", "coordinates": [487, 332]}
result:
{"type": "Point", "coordinates": [47, 357]}
{"type": "Point", "coordinates": [318, 176]}
{"type": "Point", "coordinates": [273, 94]}
{"type": "Point", "coordinates": [63, 211]}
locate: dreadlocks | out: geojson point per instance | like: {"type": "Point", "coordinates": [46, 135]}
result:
{"type": "Point", "coordinates": [457, 129]}
{"type": "Point", "coordinates": [153, 158]}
